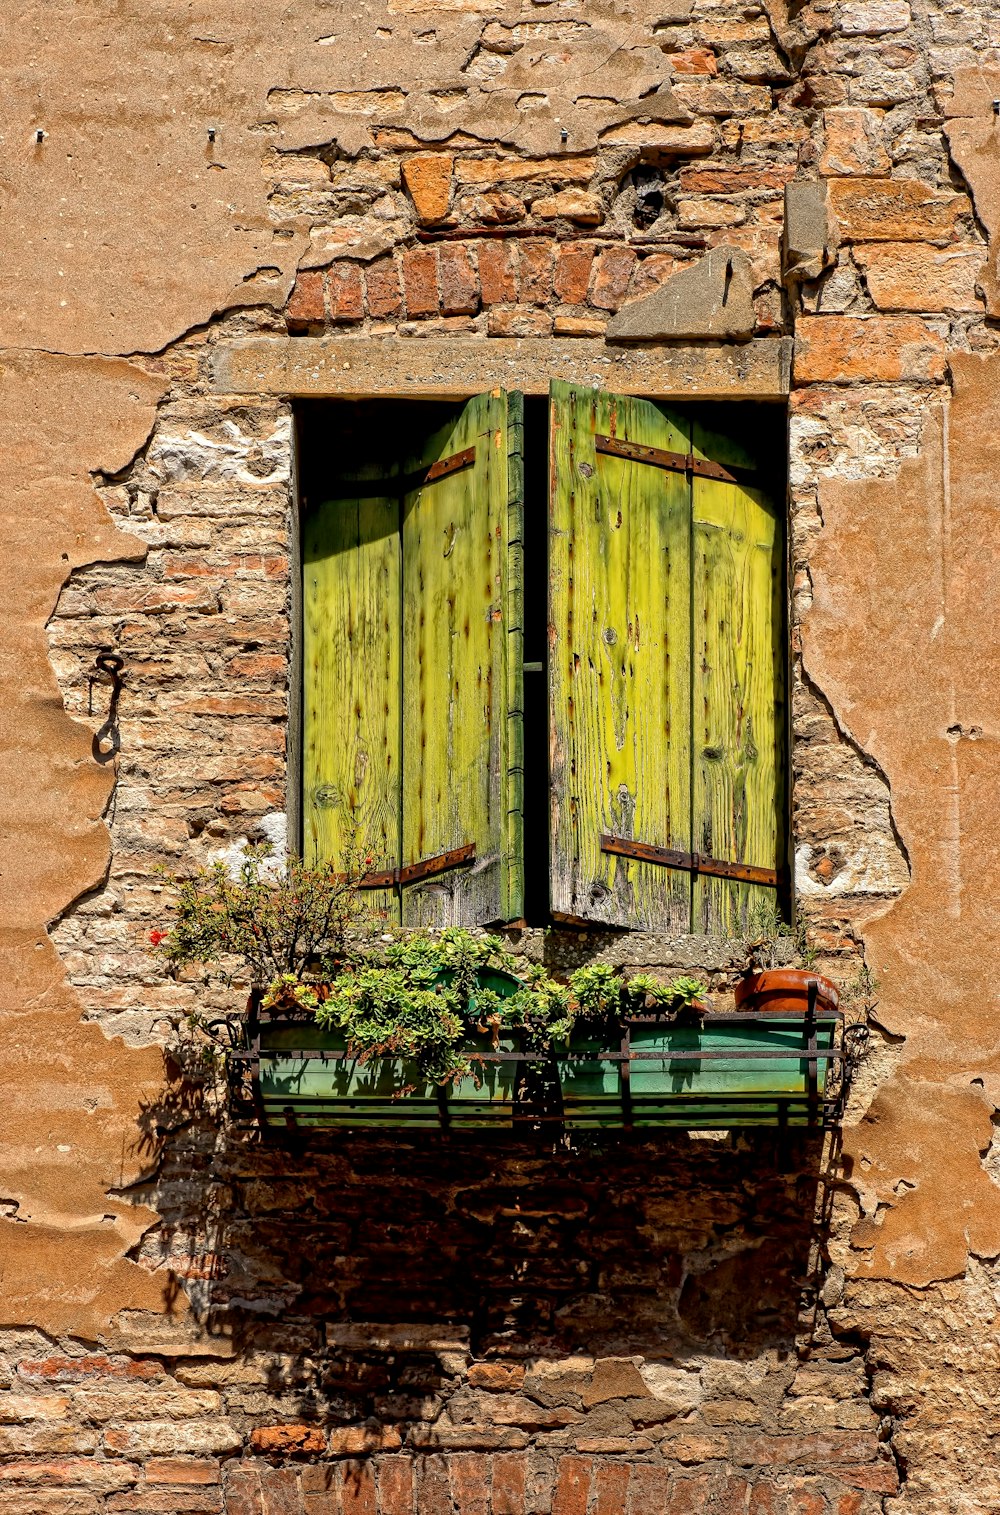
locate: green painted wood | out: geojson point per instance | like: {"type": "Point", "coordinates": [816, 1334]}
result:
{"type": "Point", "coordinates": [738, 693]}
{"type": "Point", "coordinates": [698, 1094]}
{"type": "Point", "coordinates": [351, 756]}
{"type": "Point", "coordinates": [412, 693]}
{"type": "Point", "coordinates": [457, 716]}
{"type": "Point", "coordinates": [386, 1091]}
{"type": "Point", "coordinates": [619, 665]}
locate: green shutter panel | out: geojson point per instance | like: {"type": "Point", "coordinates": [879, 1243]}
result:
{"type": "Point", "coordinates": [619, 660]}
{"type": "Point", "coordinates": [351, 683]}
{"type": "Point", "coordinates": [739, 715]}
{"type": "Point", "coordinates": [412, 672]}
{"type": "Point", "coordinates": [461, 678]}
{"type": "Point", "coordinates": [666, 671]}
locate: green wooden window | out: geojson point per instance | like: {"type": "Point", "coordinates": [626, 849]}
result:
{"type": "Point", "coordinates": [412, 670]}
{"type": "Point", "coordinates": [666, 669]}
{"type": "Point", "coordinates": [664, 778]}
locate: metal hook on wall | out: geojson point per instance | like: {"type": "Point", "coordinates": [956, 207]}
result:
{"type": "Point", "coordinates": [107, 740]}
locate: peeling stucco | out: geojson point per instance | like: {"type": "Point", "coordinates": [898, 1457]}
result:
{"type": "Point", "coordinates": [929, 720]}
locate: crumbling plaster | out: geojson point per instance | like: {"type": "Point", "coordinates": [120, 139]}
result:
{"type": "Point", "coordinates": [929, 720]}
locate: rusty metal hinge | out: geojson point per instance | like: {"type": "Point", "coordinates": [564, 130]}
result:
{"type": "Point", "coordinates": [401, 484]}
{"type": "Point", "coordinates": [429, 867]}
{"type": "Point", "coordinates": [689, 862]}
{"type": "Point", "coordinates": [675, 462]}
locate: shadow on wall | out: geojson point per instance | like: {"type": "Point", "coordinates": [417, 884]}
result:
{"type": "Point", "coordinates": [668, 1248]}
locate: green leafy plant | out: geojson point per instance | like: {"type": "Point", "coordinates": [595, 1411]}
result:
{"type": "Point", "coordinates": [772, 942]}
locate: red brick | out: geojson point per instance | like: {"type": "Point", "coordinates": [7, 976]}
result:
{"type": "Point", "coordinates": [182, 1470]}
{"type": "Point", "coordinates": [357, 1490]}
{"type": "Point", "coordinates": [395, 1486]}
{"type": "Point", "coordinates": [320, 1485]}
{"type": "Point", "coordinates": [385, 295]}
{"type": "Point", "coordinates": [508, 1484]}
{"type": "Point", "coordinates": [572, 1486]}
{"type": "Point", "coordinates": [689, 1496]}
{"type": "Point", "coordinates": [497, 273]}
{"type": "Point", "coordinates": [70, 1471]}
{"type": "Point", "coordinates": [433, 1492]}
{"type": "Point", "coordinates": [242, 1490]}
{"type": "Point", "coordinates": [343, 286]}
{"type": "Point", "coordinates": [288, 1439]}
{"type": "Point", "coordinates": [762, 1499]}
{"type": "Point", "coordinates": [806, 1502]}
{"type": "Point", "coordinates": [536, 263]}
{"type": "Point", "coordinates": [280, 1493]}
{"type": "Point", "coordinates": [611, 1489]}
{"type": "Point", "coordinates": [734, 181]}
{"type": "Point", "coordinates": [470, 1482]}
{"type": "Point", "coordinates": [85, 1369]}
{"type": "Point", "coordinates": [823, 1448]}
{"type": "Point", "coordinates": [573, 272]}
{"type": "Point", "coordinates": [305, 306]}
{"type": "Point", "coordinates": [459, 284]}
{"type": "Point", "coordinates": [650, 1490]}
{"type": "Point", "coordinates": [166, 1502]}
{"type": "Point", "coordinates": [420, 281]}
{"type": "Point", "coordinates": [731, 1498]}
{"type": "Point", "coordinates": [881, 1477]}
{"type": "Point", "coordinates": [614, 269]}
{"type": "Point", "coordinates": [849, 1504]}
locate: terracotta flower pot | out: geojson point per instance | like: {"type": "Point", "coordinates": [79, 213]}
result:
{"type": "Point", "coordinates": [784, 989]}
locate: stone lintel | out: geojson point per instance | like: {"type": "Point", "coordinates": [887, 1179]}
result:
{"type": "Point", "coordinates": [421, 368]}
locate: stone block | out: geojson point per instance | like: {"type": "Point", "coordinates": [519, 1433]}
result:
{"type": "Point", "coordinates": [886, 349]}
{"type": "Point", "coordinates": [917, 277]}
{"type": "Point", "coordinates": [427, 177]}
{"type": "Point", "coordinates": [712, 298]}
{"type": "Point", "coordinates": [806, 245]}
{"type": "Point", "coordinates": [158, 1437]}
{"type": "Point", "coordinates": [705, 210]}
{"type": "Point", "coordinates": [573, 205]}
{"type": "Point", "coordinates": [665, 141]}
{"type": "Point", "coordinates": [854, 143]}
{"type": "Point", "coordinates": [896, 210]}
{"type": "Point", "coordinates": [505, 170]}
{"type": "Point", "coordinates": [520, 321]}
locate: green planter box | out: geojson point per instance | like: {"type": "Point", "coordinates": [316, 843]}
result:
{"type": "Point", "coordinates": [726, 1071]}
{"type": "Point", "coordinates": [304, 1076]}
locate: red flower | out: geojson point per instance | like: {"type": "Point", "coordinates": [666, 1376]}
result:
{"type": "Point", "coordinates": [156, 937]}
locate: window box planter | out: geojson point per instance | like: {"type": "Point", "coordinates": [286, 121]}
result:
{"type": "Point", "coordinates": [721, 1072]}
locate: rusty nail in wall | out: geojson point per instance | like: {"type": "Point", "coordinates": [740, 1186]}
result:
{"type": "Point", "coordinates": [564, 135]}
{"type": "Point", "coordinates": [39, 135]}
{"type": "Point", "coordinates": [996, 107]}
{"type": "Point", "coordinates": [211, 133]}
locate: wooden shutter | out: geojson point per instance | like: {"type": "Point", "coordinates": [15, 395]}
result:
{"type": "Point", "coordinates": [412, 647]}
{"type": "Point", "coordinates": [738, 697]}
{"type": "Point", "coordinates": [665, 686]}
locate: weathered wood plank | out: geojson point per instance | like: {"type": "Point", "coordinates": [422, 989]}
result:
{"type": "Point", "coordinates": [455, 690]}
{"type": "Point", "coordinates": [619, 669]}
{"type": "Point", "coordinates": [738, 783]}
{"type": "Point", "coordinates": [361, 367]}
{"type": "Point", "coordinates": [351, 673]}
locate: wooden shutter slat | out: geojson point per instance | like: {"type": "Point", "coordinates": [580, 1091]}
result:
{"type": "Point", "coordinates": [351, 671]}
{"type": "Point", "coordinates": [456, 719]}
{"type": "Point", "coordinates": [738, 751]}
{"type": "Point", "coordinates": [619, 674]}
